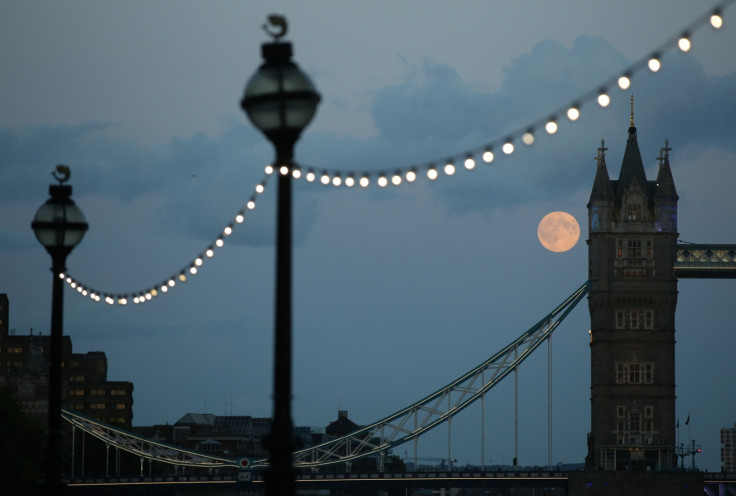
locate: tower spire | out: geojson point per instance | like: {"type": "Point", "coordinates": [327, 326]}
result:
{"type": "Point", "coordinates": [632, 111]}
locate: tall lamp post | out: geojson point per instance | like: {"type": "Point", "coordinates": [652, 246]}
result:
{"type": "Point", "coordinates": [59, 226]}
{"type": "Point", "coordinates": [281, 100]}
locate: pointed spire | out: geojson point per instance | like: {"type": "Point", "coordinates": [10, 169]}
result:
{"type": "Point", "coordinates": [665, 182]}
{"type": "Point", "coordinates": [602, 189]}
{"type": "Point", "coordinates": [632, 167]}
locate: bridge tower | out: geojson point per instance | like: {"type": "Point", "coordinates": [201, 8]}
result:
{"type": "Point", "coordinates": [632, 247]}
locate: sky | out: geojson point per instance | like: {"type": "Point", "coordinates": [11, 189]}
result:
{"type": "Point", "coordinates": [397, 291]}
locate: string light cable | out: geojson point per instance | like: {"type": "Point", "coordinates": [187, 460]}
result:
{"type": "Point", "coordinates": [432, 170]}
{"type": "Point", "coordinates": [186, 272]}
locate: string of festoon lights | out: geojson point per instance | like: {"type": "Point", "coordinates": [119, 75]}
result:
{"type": "Point", "coordinates": [466, 160]}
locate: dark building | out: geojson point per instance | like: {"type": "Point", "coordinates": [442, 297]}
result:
{"type": "Point", "coordinates": [24, 373]}
{"type": "Point", "coordinates": [633, 293]}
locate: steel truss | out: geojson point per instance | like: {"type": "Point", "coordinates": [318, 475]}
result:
{"type": "Point", "coordinates": [378, 438]}
{"type": "Point", "coordinates": [440, 406]}
{"type": "Point", "coordinates": [145, 448]}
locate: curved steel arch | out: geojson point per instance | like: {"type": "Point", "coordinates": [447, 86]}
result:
{"type": "Point", "coordinates": [376, 438]}
{"type": "Point", "coordinates": [439, 406]}
{"type": "Point", "coordinates": [142, 446]}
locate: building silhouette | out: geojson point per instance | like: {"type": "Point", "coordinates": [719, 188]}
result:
{"type": "Point", "coordinates": [728, 449]}
{"type": "Point", "coordinates": [24, 374]}
{"type": "Point", "coordinates": [633, 293]}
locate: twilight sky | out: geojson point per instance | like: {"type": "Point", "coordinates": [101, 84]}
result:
{"type": "Point", "coordinates": [397, 291]}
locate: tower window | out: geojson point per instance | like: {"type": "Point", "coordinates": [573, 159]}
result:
{"type": "Point", "coordinates": [634, 421]}
{"type": "Point", "coordinates": [633, 248]}
{"type": "Point", "coordinates": [634, 373]}
{"type": "Point", "coordinates": [633, 211]}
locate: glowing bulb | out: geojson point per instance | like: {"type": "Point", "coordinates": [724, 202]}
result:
{"type": "Point", "coordinates": [551, 126]}
{"type": "Point", "coordinates": [325, 178]}
{"type": "Point", "coordinates": [228, 231]}
{"type": "Point", "coordinates": [109, 300]}
{"type": "Point", "coordinates": [260, 187]}
{"type": "Point", "coordinates": [411, 176]}
{"type": "Point", "coordinates": [488, 156]}
{"type": "Point", "coordinates": [122, 301]}
{"type": "Point", "coordinates": [469, 163]}
{"type": "Point", "coordinates": [654, 64]}
{"type": "Point", "coordinates": [573, 113]}
{"type": "Point", "coordinates": [284, 170]}
{"type": "Point", "coordinates": [604, 100]}
{"type": "Point", "coordinates": [684, 43]}
{"type": "Point", "coordinates": [182, 277]}
{"type": "Point", "coordinates": [136, 300]}
{"type": "Point", "coordinates": [396, 179]}
{"type": "Point", "coordinates": [219, 242]}
{"type": "Point", "coordinates": [239, 218]}
{"type": "Point", "coordinates": [432, 173]}
{"type": "Point", "coordinates": [624, 82]}
{"type": "Point", "coordinates": [210, 253]}
{"type": "Point", "coordinates": [73, 284]}
{"type": "Point", "coordinates": [193, 270]}
{"type": "Point", "coordinates": [337, 180]}
{"type": "Point", "coordinates": [250, 205]}
{"type": "Point", "coordinates": [508, 148]}
{"type": "Point", "coordinates": [528, 138]}
{"type": "Point", "coordinates": [716, 20]}
{"type": "Point", "coordinates": [295, 173]}
{"type": "Point", "coordinates": [382, 181]}
{"type": "Point", "coordinates": [68, 279]}
{"type": "Point", "coordinates": [198, 262]}
{"type": "Point", "coordinates": [164, 289]}
{"type": "Point", "coordinates": [365, 181]}
{"type": "Point", "coordinates": [311, 176]}
{"type": "Point", "coordinates": [269, 169]}
{"type": "Point", "coordinates": [350, 181]}
{"type": "Point", "coordinates": [449, 168]}
{"type": "Point", "coordinates": [154, 292]}
{"type": "Point", "coordinates": [171, 283]}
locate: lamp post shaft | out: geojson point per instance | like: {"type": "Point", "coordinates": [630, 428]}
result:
{"type": "Point", "coordinates": [53, 481]}
{"type": "Point", "coordinates": [281, 474]}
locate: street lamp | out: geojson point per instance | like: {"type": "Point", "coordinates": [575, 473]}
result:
{"type": "Point", "coordinates": [59, 226]}
{"type": "Point", "coordinates": [281, 100]}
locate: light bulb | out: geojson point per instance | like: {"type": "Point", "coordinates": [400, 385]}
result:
{"type": "Point", "coordinates": [449, 168]}
{"type": "Point", "coordinates": [182, 277]}
{"type": "Point", "coordinates": [350, 181]}
{"type": "Point", "coordinates": [396, 179]}
{"type": "Point", "coordinates": [219, 242]}
{"type": "Point", "coordinates": [573, 113]}
{"type": "Point", "coordinates": [325, 178]}
{"type": "Point", "coordinates": [365, 181]}
{"type": "Point", "coordinates": [171, 283]}
{"type": "Point", "coordinates": [551, 126]}
{"type": "Point", "coordinates": [227, 231]}
{"type": "Point", "coordinates": [654, 64]}
{"type": "Point", "coordinates": [382, 181]}
{"type": "Point", "coordinates": [269, 169]}
{"type": "Point", "coordinates": [528, 138]}
{"type": "Point", "coordinates": [311, 176]}
{"type": "Point", "coordinates": [488, 156]}
{"type": "Point", "coordinates": [684, 43]}
{"type": "Point", "coordinates": [337, 180]}
{"type": "Point", "coordinates": [469, 163]}
{"type": "Point", "coordinates": [193, 270]}
{"type": "Point", "coordinates": [716, 20]}
{"type": "Point", "coordinates": [295, 173]}
{"type": "Point", "coordinates": [284, 170]}
{"type": "Point", "coordinates": [604, 100]}
{"type": "Point", "coordinates": [624, 82]}
{"type": "Point", "coordinates": [198, 262]}
{"type": "Point", "coordinates": [239, 218]}
{"type": "Point", "coordinates": [432, 173]}
{"type": "Point", "coordinates": [210, 253]}
{"type": "Point", "coordinates": [250, 205]}
{"type": "Point", "coordinates": [411, 176]}
{"type": "Point", "coordinates": [508, 148]}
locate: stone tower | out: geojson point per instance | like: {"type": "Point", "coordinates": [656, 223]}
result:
{"type": "Point", "coordinates": [632, 247]}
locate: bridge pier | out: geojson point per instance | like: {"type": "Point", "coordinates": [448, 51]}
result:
{"type": "Point", "coordinates": [612, 483]}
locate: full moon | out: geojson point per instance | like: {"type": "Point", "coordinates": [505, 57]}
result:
{"type": "Point", "coordinates": [558, 231]}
